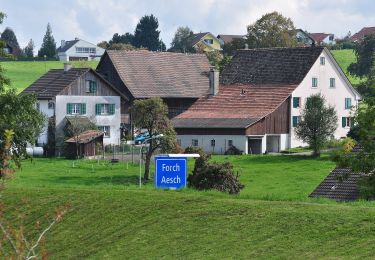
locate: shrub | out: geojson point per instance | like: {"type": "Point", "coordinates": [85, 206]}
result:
{"type": "Point", "coordinates": [366, 186]}
{"type": "Point", "coordinates": [218, 176]}
{"type": "Point", "coordinates": [194, 149]}
{"type": "Point", "coordinates": [233, 151]}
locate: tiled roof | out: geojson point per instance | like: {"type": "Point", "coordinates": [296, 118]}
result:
{"type": "Point", "coordinates": [270, 65]}
{"type": "Point", "coordinates": [235, 106]}
{"type": "Point", "coordinates": [227, 38]}
{"type": "Point", "coordinates": [162, 74]}
{"type": "Point", "coordinates": [85, 137]}
{"type": "Point", "coordinates": [319, 37]}
{"type": "Point", "coordinates": [67, 46]}
{"type": "Point", "coordinates": [198, 37]}
{"type": "Point", "coordinates": [362, 33]}
{"type": "Point", "coordinates": [54, 81]}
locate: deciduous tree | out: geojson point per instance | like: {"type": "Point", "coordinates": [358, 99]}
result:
{"type": "Point", "coordinates": [152, 115]}
{"type": "Point", "coordinates": [271, 30]}
{"type": "Point", "coordinates": [146, 33]}
{"type": "Point", "coordinates": [182, 40]}
{"type": "Point", "coordinates": [364, 52]}
{"type": "Point", "coordinates": [48, 47]}
{"type": "Point", "coordinates": [29, 49]}
{"type": "Point", "coordinates": [318, 123]}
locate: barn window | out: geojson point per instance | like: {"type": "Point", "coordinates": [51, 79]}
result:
{"type": "Point", "coordinates": [90, 86]}
{"type": "Point", "coordinates": [230, 143]}
{"type": "Point", "coordinates": [213, 142]}
{"type": "Point", "coordinates": [194, 142]}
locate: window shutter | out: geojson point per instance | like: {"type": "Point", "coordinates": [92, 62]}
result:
{"type": "Point", "coordinates": [98, 109]}
{"type": "Point", "coordinates": [111, 109]}
{"type": "Point", "coordinates": [92, 86]}
{"type": "Point", "coordinates": [83, 108]}
{"type": "Point", "coordinates": [295, 121]}
{"type": "Point", "coordinates": [295, 102]}
{"type": "Point", "coordinates": [69, 108]}
{"type": "Point", "coordinates": [343, 121]}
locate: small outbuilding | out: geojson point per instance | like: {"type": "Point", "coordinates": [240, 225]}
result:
{"type": "Point", "coordinates": [88, 143]}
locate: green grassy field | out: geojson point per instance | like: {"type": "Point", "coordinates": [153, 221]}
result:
{"type": "Point", "coordinates": [111, 218]}
{"type": "Point", "coordinates": [23, 73]}
{"type": "Point", "coordinates": [345, 58]}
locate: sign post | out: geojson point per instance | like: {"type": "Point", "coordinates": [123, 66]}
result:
{"type": "Point", "coordinates": [170, 172]}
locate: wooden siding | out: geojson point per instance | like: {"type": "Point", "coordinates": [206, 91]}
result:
{"type": "Point", "coordinates": [278, 122]}
{"type": "Point", "coordinates": [78, 87]}
{"type": "Point", "coordinates": [210, 131]}
{"type": "Point", "coordinates": [178, 105]}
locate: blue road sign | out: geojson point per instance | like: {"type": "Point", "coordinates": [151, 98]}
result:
{"type": "Point", "coordinates": [170, 172]}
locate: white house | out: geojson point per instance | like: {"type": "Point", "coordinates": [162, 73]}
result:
{"type": "Point", "coordinates": [258, 102]}
{"type": "Point", "coordinates": [323, 38]}
{"type": "Point", "coordinates": [78, 49]}
{"type": "Point", "coordinates": [79, 93]}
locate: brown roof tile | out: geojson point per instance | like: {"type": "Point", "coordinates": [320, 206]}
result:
{"type": "Point", "coordinates": [227, 38]}
{"type": "Point", "coordinates": [162, 74]}
{"type": "Point", "coordinates": [85, 137]}
{"type": "Point", "coordinates": [319, 37]}
{"type": "Point", "coordinates": [362, 33]}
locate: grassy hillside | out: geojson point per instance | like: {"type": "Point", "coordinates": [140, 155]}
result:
{"type": "Point", "coordinates": [345, 58]}
{"type": "Point", "coordinates": [111, 218]}
{"type": "Point", "coordinates": [24, 73]}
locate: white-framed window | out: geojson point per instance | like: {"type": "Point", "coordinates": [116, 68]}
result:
{"type": "Point", "coordinates": [194, 142]}
{"type": "Point", "coordinates": [106, 129]}
{"type": "Point", "coordinates": [230, 143]}
{"type": "Point", "coordinates": [332, 82]}
{"type": "Point", "coordinates": [76, 108]}
{"type": "Point", "coordinates": [209, 41]}
{"type": "Point", "coordinates": [105, 109]}
{"type": "Point", "coordinates": [322, 60]}
{"type": "Point", "coordinates": [296, 120]}
{"type": "Point", "coordinates": [85, 50]}
{"type": "Point", "coordinates": [51, 105]}
{"type": "Point", "coordinates": [348, 103]}
{"type": "Point", "coordinates": [314, 82]}
{"type": "Point", "coordinates": [347, 122]}
{"type": "Point", "coordinates": [90, 86]}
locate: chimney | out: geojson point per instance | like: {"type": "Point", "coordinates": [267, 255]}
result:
{"type": "Point", "coordinates": [67, 67]}
{"type": "Point", "coordinates": [214, 81]}
{"type": "Point", "coordinates": [62, 43]}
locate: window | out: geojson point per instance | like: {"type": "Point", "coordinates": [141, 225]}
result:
{"type": "Point", "coordinates": [348, 103]}
{"type": "Point", "coordinates": [76, 108]}
{"type": "Point", "coordinates": [332, 82]}
{"type": "Point", "coordinates": [213, 142]}
{"type": "Point", "coordinates": [322, 60]}
{"type": "Point", "coordinates": [51, 105]}
{"type": "Point", "coordinates": [296, 120]}
{"type": "Point", "coordinates": [331, 37]}
{"type": "Point", "coordinates": [106, 130]}
{"type": "Point", "coordinates": [314, 82]}
{"type": "Point", "coordinates": [296, 102]}
{"type": "Point", "coordinates": [85, 50]}
{"type": "Point", "coordinates": [230, 143]}
{"type": "Point", "coordinates": [105, 109]}
{"type": "Point", "coordinates": [209, 41]}
{"type": "Point", "coordinates": [347, 122]}
{"type": "Point", "coordinates": [90, 86]}
{"type": "Point", "coordinates": [194, 142]}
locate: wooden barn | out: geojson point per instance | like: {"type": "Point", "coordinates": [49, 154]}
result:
{"type": "Point", "coordinates": [88, 143]}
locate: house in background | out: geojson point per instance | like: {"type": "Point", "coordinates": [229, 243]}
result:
{"type": "Point", "coordinates": [323, 38]}
{"type": "Point", "coordinates": [303, 38]}
{"type": "Point", "coordinates": [227, 38]}
{"type": "Point", "coordinates": [79, 93]}
{"type": "Point", "coordinates": [357, 37]}
{"type": "Point", "coordinates": [79, 49]}
{"type": "Point", "coordinates": [260, 97]}
{"type": "Point", "coordinates": [206, 42]}
{"type": "Point", "coordinates": [178, 78]}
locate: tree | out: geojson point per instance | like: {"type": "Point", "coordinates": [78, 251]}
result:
{"type": "Point", "coordinates": [48, 47]}
{"type": "Point", "coordinates": [217, 59]}
{"type": "Point", "coordinates": [29, 49]}
{"type": "Point", "coordinates": [10, 38]}
{"type": "Point", "coordinates": [103, 44]}
{"type": "Point", "coordinates": [182, 40]}
{"type": "Point", "coordinates": [271, 30]}
{"type": "Point", "coordinates": [126, 38]}
{"type": "Point", "coordinates": [122, 46]}
{"type": "Point", "coordinates": [231, 47]}
{"type": "Point", "coordinates": [146, 34]}
{"type": "Point", "coordinates": [364, 52]}
{"type": "Point", "coordinates": [152, 115]}
{"type": "Point", "coordinates": [318, 123]}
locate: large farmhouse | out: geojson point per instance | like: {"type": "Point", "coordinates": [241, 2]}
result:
{"type": "Point", "coordinates": [258, 102]}
{"type": "Point", "coordinates": [81, 94]}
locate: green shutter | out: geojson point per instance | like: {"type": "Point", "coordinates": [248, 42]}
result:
{"type": "Point", "coordinates": [92, 86]}
{"type": "Point", "coordinates": [343, 121]}
{"type": "Point", "coordinates": [111, 109]}
{"type": "Point", "coordinates": [69, 107]}
{"type": "Point", "coordinates": [295, 121]}
{"type": "Point", "coordinates": [83, 108]}
{"type": "Point", "coordinates": [98, 109]}
{"type": "Point", "coordinates": [295, 102]}
{"type": "Point", "coordinates": [348, 103]}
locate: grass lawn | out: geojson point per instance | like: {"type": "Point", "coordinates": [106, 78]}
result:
{"type": "Point", "coordinates": [23, 73]}
{"type": "Point", "coordinates": [111, 218]}
{"type": "Point", "coordinates": [345, 58]}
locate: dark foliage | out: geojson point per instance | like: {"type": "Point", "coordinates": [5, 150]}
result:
{"type": "Point", "coordinates": [365, 57]}
{"type": "Point", "coordinates": [48, 47]}
{"type": "Point", "coordinates": [10, 38]}
{"type": "Point", "coordinates": [231, 47]}
{"type": "Point", "coordinates": [50, 146]}
{"type": "Point", "coordinates": [126, 38]}
{"type": "Point", "coordinates": [146, 33]}
{"type": "Point", "coordinates": [233, 151]}
{"type": "Point", "coordinates": [366, 186]}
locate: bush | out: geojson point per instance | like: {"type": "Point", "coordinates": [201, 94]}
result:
{"type": "Point", "coordinates": [366, 186]}
{"type": "Point", "coordinates": [194, 149]}
{"type": "Point", "coordinates": [233, 151]}
{"type": "Point", "coordinates": [218, 176]}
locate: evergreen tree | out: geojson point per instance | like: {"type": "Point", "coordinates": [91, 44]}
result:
{"type": "Point", "coordinates": [126, 38]}
{"type": "Point", "coordinates": [49, 45]}
{"type": "Point", "coordinates": [29, 49]}
{"type": "Point", "coordinates": [146, 34]}
{"type": "Point", "coordinates": [10, 38]}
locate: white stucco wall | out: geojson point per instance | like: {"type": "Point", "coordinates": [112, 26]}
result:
{"type": "Point", "coordinates": [334, 96]}
{"type": "Point", "coordinates": [221, 142]}
{"type": "Point", "coordinates": [71, 52]}
{"type": "Point", "coordinates": [48, 112]}
{"type": "Point", "coordinates": [101, 120]}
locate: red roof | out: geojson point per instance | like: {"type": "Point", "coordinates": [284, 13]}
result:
{"type": "Point", "coordinates": [319, 37]}
{"type": "Point", "coordinates": [239, 102]}
{"type": "Point", "coordinates": [362, 33]}
{"type": "Point", "coordinates": [85, 137]}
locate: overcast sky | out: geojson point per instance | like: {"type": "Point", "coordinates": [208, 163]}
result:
{"type": "Point", "coordinates": [97, 20]}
